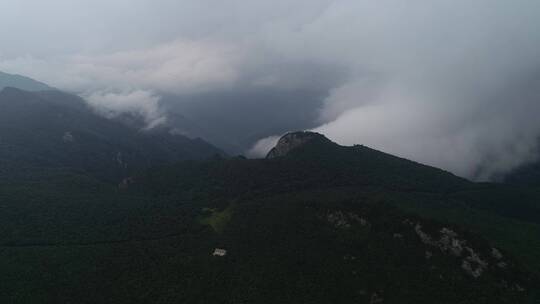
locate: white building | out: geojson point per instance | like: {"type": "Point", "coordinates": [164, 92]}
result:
{"type": "Point", "coordinates": [219, 252]}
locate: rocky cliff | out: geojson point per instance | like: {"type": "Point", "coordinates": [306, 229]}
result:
{"type": "Point", "coordinates": [291, 141]}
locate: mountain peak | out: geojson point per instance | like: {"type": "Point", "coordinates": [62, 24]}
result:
{"type": "Point", "coordinates": [294, 140]}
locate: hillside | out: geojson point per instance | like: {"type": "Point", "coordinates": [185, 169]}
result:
{"type": "Point", "coordinates": [528, 175]}
{"type": "Point", "coordinates": [21, 82]}
{"type": "Point", "coordinates": [318, 223]}
{"type": "Point", "coordinates": [52, 129]}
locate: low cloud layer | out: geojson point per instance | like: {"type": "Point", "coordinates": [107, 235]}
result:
{"type": "Point", "coordinates": [138, 103]}
{"type": "Point", "coordinates": [449, 83]}
{"type": "Point", "coordinates": [175, 67]}
{"type": "Point", "coordinates": [261, 148]}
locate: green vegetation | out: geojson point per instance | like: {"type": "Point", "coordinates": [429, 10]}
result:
{"type": "Point", "coordinates": [43, 131]}
{"type": "Point", "coordinates": [218, 220]}
{"type": "Point", "coordinates": [324, 224]}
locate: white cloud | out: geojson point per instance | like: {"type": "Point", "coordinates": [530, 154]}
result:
{"type": "Point", "coordinates": [177, 67]}
{"type": "Point", "coordinates": [141, 103]}
{"type": "Point", "coordinates": [262, 147]}
{"type": "Point", "coordinates": [476, 150]}
{"type": "Point", "coordinates": [449, 83]}
{"type": "Point", "coordinates": [180, 67]}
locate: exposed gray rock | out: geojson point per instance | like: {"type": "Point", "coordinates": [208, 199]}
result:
{"type": "Point", "coordinates": [408, 222]}
{"type": "Point", "coordinates": [519, 288]}
{"type": "Point", "coordinates": [496, 253]}
{"type": "Point", "coordinates": [449, 232]}
{"type": "Point", "coordinates": [338, 219]}
{"type": "Point", "coordinates": [466, 265]}
{"type": "Point", "coordinates": [345, 220]}
{"type": "Point", "coordinates": [450, 243]}
{"type": "Point", "coordinates": [473, 264]}
{"type": "Point", "coordinates": [426, 238]}
{"type": "Point", "coordinates": [291, 141]}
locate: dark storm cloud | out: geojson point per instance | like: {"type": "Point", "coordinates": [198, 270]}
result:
{"type": "Point", "coordinates": [449, 83]}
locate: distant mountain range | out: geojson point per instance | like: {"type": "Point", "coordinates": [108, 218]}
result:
{"type": "Point", "coordinates": [21, 82]}
{"type": "Point", "coordinates": [52, 129]}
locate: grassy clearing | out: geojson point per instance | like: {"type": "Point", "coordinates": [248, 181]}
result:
{"type": "Point", "coordinates": [218, 220]}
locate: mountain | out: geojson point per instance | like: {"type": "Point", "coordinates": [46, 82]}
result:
{"type": "Point", "coordinates": [528, 174]}
{"type": "Point", "coordinates": [236, 119]}
{"type": "Point", "coordinates": [314, 222]}
{"type": "Point", "coordinates": [21, 82]}
{"type": "Point", "coordinates": [52, 129]}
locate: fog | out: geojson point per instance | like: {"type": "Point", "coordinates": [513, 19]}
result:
{"type": "Point", "coordinates": [454, 84]}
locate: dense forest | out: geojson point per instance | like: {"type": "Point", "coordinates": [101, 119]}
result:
{"type": "Point", "coordinates": [322, 224]}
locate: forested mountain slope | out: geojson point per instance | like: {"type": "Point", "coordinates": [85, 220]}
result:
{"type": "Point", "coordinates": [315, 223]}
{"type": "Point", "coordinates": [51, 129]}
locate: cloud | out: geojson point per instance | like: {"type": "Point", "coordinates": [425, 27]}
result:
{"type": "Point", "coordinates": [140, 103]}
{"type": "Point", "coordinates": [478, 148]}
{"type": "Point", "coordinates": [449, 83]}
{"type": "Point", "coordinates": [176, 67]}
{"type": "Point", "coordinates": [131, 81]}
{"type": "Point", "coordinates": [262, 147]}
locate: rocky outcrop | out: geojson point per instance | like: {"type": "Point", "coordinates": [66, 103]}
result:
{"type": "Point", "coordinates": [126, 182]}
{"type": "Point", "coordinates": [345, 220]}
{"type": "Point", "coordinates": [291, 141]}
{"type": "Point", "coordinates": [450, 243]}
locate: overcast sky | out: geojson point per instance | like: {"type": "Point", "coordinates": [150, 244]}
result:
{"type": "Point", "coordinates": [451, 83]}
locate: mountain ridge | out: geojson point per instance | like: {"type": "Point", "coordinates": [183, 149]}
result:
{"type": "Point", "coordinates": [322, 223]}
{"type": "Point", "coordinates": [313, 222]}
{"type": "Point", "coordinates": [22, 82]}
{"type": "Point", "coordinates": [57, 129]}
